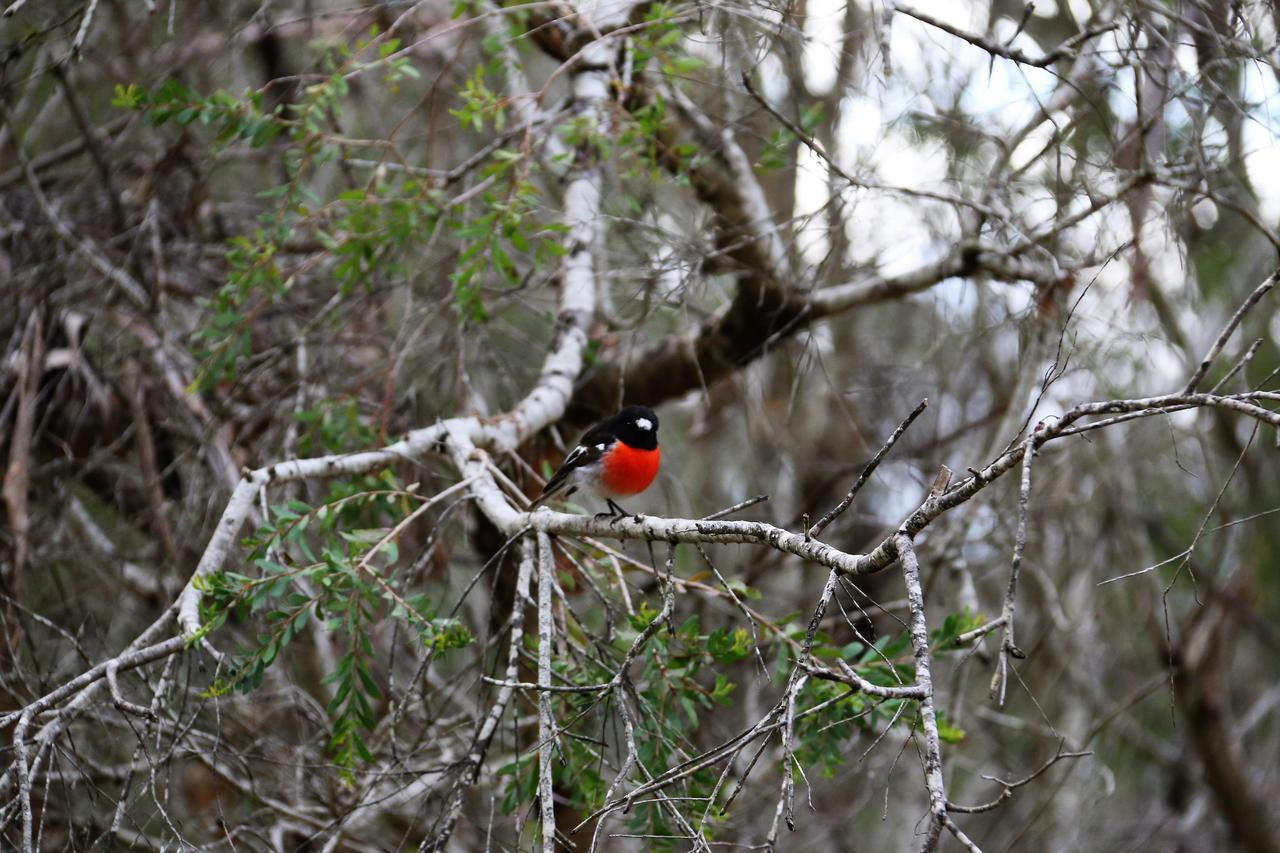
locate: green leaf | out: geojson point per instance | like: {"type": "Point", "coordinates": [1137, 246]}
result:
{"type": "Point", "coordinates": [948, 733]}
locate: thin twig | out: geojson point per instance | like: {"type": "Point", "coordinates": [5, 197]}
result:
{"type": "Point", "coordinates": [821, 524]}
{"type": "Point", "coordinates": [1240, 364]}
{"type": "Point", "coordinates": [1007, 788]}
{"type": "Point", "coordinates": [485, 732]}
{"type": "Point", "coordinates": [78, 44]}
{"type": "Point", "coordinates": [999, 678]}
{"type": "Point", "coordinates": [738, 507]}
{"type": "Point", "coordinates": [919, 631]}
{"type": "Point", "coordinates": [1067, 50]}
{"type": "Point", "coordinates": [1229, 329]}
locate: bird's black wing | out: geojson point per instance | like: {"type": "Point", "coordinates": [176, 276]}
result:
{"type": "Point", "coordinates": [589, 451]}
{"type": "Point", "coordinates": [601, 433]}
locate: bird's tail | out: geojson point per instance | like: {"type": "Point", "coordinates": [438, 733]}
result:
{"type": "Point", "coordinates": [553, 488]}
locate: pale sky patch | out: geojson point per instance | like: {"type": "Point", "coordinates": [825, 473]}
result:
{"type": "Point", "coordinates": [930, 70]}
{"type": "Point", "coordinates": [822, 30]}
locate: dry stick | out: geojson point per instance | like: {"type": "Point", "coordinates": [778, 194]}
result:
{"type": "Point", "coordinates": [1204, 522]}
{"type": "Point", "coordinates": [25, 768]}
{"type": "Point", "coordinates": [1151, 405]}
{"type": "Point", "coordinates": [742, 780]}
{"type": "Point", "coordinates": [699, 844]}
{"type": "Point", "coordinates": [788, 757]}
{"type": "Point", "coordinates": [546, 716]}
{"type": "Point", "coordinates": [847, 675]}
{"type": "Point", "coordinates": [1007, 788]}
{"type": "Point", "coordinates": [96, 153]}
{"type": "Point", "coordinates": [1119, 419]}
{"type": "Point", "coordinates": [831, 516]}
{"type": "Point", "coordinates": [919, 630]}
{"type": "Point", "coordinates": [1228, 330]}
{"type": "Point", "coordinates": [113, 684]}
{"type": "Point", "coordinates": [733, 596]}
{"type": "Point", "coordinates": [860, 183]}
{"type": "Point", "coordinates": [148, 457]}
{"type": "Point", "coordinates": [690, 530]}
{"type": "Point", "coordinates": [741, 505]}
{"type": "Point", "coordinates": [1067, 50]}
{"type": "Point", "coordinates": [799, 678]}
{"type": "Point", "coordinates": [1238, 366]}
{"type": "Point", "coordinates": [621, 680]}
{"type": "Point", "coordinates": [765, 726]}
{"type": "Point", "coordinates": [629, 733]}
{"type": "Point", "coordinates": [771, 840]}
{"type": "Point", "coordinates": [724, 774]}
{"type": "Point", "coordinates": [62, 153]}
{"type": "Point", "coordinates": [78, 44]}
{"type": "Point", "coordinates": [157, 697]}
{"type": "Point", "coordinates": [480, 744]}
{"type": "Point", "coordinates": [979, 632]}
{"type": "Point", "coordinates": [17, 474]}
{"type": "Point", "coordinates": [131, 288]}
{"type": "Point", "coordinates": [960, 836]}
{"type": "Point", "coordinates": [83, 687]}
{"type": "Point", "coordinates": [999, 678]}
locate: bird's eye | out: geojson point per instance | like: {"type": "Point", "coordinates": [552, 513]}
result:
{"type": "Point", "coordinates": [644, 423]}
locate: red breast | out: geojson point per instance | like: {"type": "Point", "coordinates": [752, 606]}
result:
{"type": "Point", "coordinates": [629, 470]}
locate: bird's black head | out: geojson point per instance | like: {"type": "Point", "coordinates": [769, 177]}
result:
{"type": "Point", "coordinates": [637, 426]}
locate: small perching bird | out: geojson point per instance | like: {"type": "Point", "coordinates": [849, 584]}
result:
{"type": "Point", "coordinates": [616, 458]}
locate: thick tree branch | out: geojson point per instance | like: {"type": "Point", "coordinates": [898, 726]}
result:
{"type": "Point", "coordinates": [546, 717]}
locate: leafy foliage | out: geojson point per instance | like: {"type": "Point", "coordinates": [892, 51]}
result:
{"type": "Point", "coordinates": [318, 563]}
{"type": "Point", "coordinates": [363, 229]}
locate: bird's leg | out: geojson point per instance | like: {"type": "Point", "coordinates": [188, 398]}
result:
{"type": "Point", "coordinates": [616, 513]}
{"type": "Point", "coordinates": [621, 513]}
{"type": "Point", "coordinates": [612, 514]}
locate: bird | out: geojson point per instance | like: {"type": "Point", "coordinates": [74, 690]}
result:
{"type": "Point", "coordinates": [616, 458]}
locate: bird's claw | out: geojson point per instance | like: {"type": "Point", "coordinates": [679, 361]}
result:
{"type": "Point", "coordinates": [617, 513]}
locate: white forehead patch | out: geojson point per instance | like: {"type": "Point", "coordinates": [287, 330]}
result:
{"type": "Point", "coordinates": [644, 423]}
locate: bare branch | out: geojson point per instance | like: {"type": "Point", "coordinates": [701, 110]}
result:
{"type": "Point", "coordinates": [867, 471]}
{"type": "Point", "coordinates": [919, 630]}
{"type": "Point", "coordinates": [546, 718]}
{"type": "Point", "coordinates": [1008, 648]}
{"type": "Point", "coordinates": [1065, 51]}
{"type": "Point", "coordinates": [1228, 330]}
